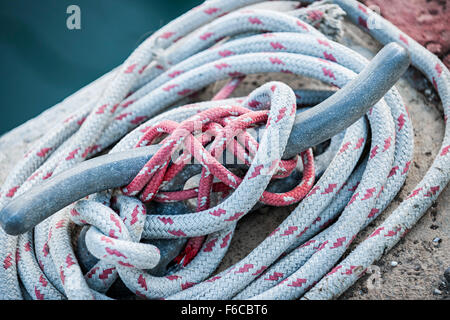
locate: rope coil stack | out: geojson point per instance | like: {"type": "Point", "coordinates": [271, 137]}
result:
{"type": "Point", "coordinates": [301, 258]}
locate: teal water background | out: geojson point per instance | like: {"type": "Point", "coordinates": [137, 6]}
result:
{"type": "Point", "coordinates": [42, 61]}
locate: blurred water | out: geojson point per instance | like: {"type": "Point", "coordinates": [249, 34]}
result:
{"type": "Point", "coordinates": [42, 61]}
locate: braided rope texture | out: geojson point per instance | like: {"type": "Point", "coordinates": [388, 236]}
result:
{"type": "Point", "coordinates": [145, 100]}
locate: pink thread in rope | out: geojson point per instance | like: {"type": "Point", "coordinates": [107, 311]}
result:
{"type": "Point", "coordinates": [224, 128]}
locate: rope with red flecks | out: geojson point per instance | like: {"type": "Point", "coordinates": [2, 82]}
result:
{"type": "Point", "coordinates": [299, 257]}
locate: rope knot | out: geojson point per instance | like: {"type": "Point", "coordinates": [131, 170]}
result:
{"type": "Point", "coordinates": [115, 239]}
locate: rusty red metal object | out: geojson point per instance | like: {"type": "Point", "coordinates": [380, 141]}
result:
{"type": "Point", "coordinates": [424, 20]}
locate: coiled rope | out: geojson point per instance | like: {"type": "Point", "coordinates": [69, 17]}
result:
{"type": "Point", "coordinates": [301, 257]}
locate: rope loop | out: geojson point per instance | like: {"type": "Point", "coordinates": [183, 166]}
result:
{"type": "Point", "coordinates": [114, 239]}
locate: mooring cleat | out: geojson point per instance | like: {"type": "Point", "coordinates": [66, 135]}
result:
{"type": "Point", "coordinates": [115, 170]}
